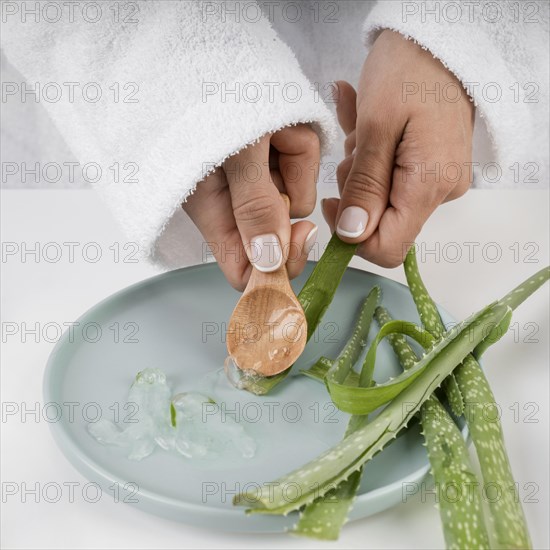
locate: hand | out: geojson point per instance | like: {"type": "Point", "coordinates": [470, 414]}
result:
{"type": "Point", "coordinates": [406, 152]}
{"type": "Point", "coordinates": [241, 214]}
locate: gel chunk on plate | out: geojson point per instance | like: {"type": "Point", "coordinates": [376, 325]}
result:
{"type": "Point", "coordinates": [191, 424]}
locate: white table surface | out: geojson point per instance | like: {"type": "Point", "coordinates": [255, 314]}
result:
{"type": "Point", "coordinates": [58, 292]}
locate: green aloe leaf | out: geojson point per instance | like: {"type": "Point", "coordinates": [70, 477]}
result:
{"type": "Point", "coordinates": [509, 527]}
{"type": "Point", "coordinates": [363, 399]}
{"type": "Point", "coordinates": [316, 296]}
{"type": "Point", "coordinates": [429, 316]}
{"type": "Point", "coordinates": [343, 364]}
{"type": "Point", "coordinates": [324, 517]}
{"type": "Point", "coordinates": [321, 475]}
{"type": "Point", "coordinates": [456, 485]}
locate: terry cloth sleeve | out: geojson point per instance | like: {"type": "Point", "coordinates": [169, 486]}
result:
{"type": "Point", "coordinates": [500, 53]}
{"type": "Point", "coordinates": [162, 91]}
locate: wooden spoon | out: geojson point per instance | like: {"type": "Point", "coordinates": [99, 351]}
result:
{"type": "Point", "coordinates": [267, 331]}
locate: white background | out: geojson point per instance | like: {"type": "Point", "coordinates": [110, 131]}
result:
{"type": "Point", "coordinates": [61, 291]}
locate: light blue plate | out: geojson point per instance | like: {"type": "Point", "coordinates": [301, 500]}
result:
{"type": "Point", "coordinates": [176, 322]}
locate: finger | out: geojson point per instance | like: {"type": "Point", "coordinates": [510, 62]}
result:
{"type": "Point", "coordinates": [302, 241]}
{"type": "Point", "coordinates": [274, 170]}
{"type": "Point", "coordinates": [342, 172]}
{"type": "Point", "coordinates": [299, 152]}
{"type": "Point", "coordinates": [459, 189]}
{"type": "Point", "coordinates": [388, 245]}
{"type": "Point", "coordinates": [260, 213]}
{"type": "Point", "coordinates": [329, 209]}
{"type": "Point", "coordinates": [413, 198]}
{"type": "Point", "coordinates": [386, 252]}
{"type": "Point", "coordinates": [367, 187]}
{"type": "Point", "coordinates": [346, 106]}
{"type": "Point", "coordinates": [432, 171]}
{"type": "Point", "coordinates": [209, 207]}
{"type": "Point", "coordinates": [350, 143]}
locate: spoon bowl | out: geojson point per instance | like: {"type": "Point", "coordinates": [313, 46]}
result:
{"type": "Point", "coordinates": [267, 331]}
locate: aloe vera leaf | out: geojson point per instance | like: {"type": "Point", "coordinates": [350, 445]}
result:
{"type": "Point", "coordinates": [315, 297]}
{"type": "Point", "coordinates": [335, 465]}
{"type": "Point", "coordinates": [460, 507]}
{"type": "Point", "coordinates": [324, 518]}
{"type": "Point", "coordinates": [319, 290]}
{"type": "Point", "coordinates": [320, 368]}
{"type": "Point", "coordinates": [364, 399]}
{"type": "Point", "coordinates": [457, 486]}
{"type": "Point", "coordinates": [430, 318]}
{"type": "Point", "coordinates": [518, 295]}
{"type": "Point", "coordinates": [509, 527]}
{"type": "Point", "coordinates": [343, 364]}
{"type": "Point", "coordinates": [349, 355]}
{"type": "Point", "coordinates": [406, 355]}
{"type": "Point", "coordinates": [495, 334]}
{"type": "Point", "coordinates": [508, 519]}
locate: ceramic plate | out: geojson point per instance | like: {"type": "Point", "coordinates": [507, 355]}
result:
{"type": "Point", "coordinates": [176, 322]}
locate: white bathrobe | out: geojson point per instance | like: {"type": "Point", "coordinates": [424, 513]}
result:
{"type": "Point", "coordinates": [185, 84]}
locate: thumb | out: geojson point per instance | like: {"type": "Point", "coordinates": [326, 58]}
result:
{"type": "Point", "coordinates": [367, 187]}
{"type": "Point", "coordinates": [260, 212]}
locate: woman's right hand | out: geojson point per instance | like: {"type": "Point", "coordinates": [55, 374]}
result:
{"type": "Point", "coordinates": [241, 214]}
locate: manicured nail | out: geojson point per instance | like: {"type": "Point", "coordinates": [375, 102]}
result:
{"type": "Point", "coordinates": [265, 253]}
{"type": "Point", "coordinates": [353, 222]}
{"type": "Point", "coordinates": [311, 239]}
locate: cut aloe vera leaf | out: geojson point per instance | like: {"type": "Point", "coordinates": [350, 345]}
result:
{"type": "Point", "coordinates": [315, 297]}
{"type": "Point", "coordinates": [319, 290]}
{"type": "Point", "coordinates": [509, 527]}
{"type": "Point", "coordinates": [456, 485]}
{"type": "Point", "coordinates": [335, 465]}
{"type": "Point", "coordinates": [494, 335]}
{"type": "Point", "coordinates": [324, 518]}
{"type": "Point", "coordinates": [364, 399]}
{"type": "Point", "coordinates": [351, 352]}
{"type": "Point", "coordinates": [430, 318]}
{"type": "Point", "coordinates": [404, 352]}
{"type": "Point", "coordinates": [320, 368]}
{"type": "Point", "coordinates": [454, 397]}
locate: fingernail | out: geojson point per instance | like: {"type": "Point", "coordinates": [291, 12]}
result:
{"type": "Point", "coordinates": [353, 222]}
{"type": "Point", "coordinates": [311, 239]}
{"type": "Point", "coordinates": [265, 253]}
